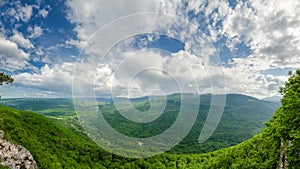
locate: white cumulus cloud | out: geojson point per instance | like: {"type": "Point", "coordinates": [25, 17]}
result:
{"type": "Point", "coordinates": [12, 58]}
{"type": "Point", "coordinates": [56, 79]}
{"type": "Point", "coordinates": [20, 40]}
{"type": "Point", "coordinates": [36, 31]}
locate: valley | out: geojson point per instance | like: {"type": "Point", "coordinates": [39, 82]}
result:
{"type": "Point", "coordinates": [243, 117]}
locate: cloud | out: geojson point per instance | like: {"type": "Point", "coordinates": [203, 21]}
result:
{"type": "Point", "coordinates": [12, 58]}
{"type": "Point", "coordinates": [20, 40]}
{"type": "Point", "coordinates": [92, 15]}
{"type": "Point", "coordinates": [246, 78]}
{"type": "Point", "coordinates": [23, 13]}
{"type": "Point", "coordinates": [145, 71]}
{"type": "Point", "coordinates": [184, 66]}
{"type": "Point", "coordinates": [141, 77]}
{"type": "Point", "coordinates": [76, 43]}
{"type": "Point", "coordinates": [271, 30]}
{"type": "Point", "coordinates": [36, 31]}
{"type": "Point", "coordinates": [56, 79]}
{"type": "Point", "coordinates": [11, 12]}
{"type": "Point", "coordinates": [43, 13]}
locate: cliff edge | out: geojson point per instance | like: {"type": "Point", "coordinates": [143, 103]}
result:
{"type": "Point", "coordinates": [15, 156]}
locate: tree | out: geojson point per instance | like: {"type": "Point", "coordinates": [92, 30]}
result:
{"type": "Point", "coordinates": [5, 79]}
{"type": "Point", "coordinates": [286, 122]}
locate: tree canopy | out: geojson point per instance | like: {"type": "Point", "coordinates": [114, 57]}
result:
{"type": "Point", "coordinates": [286, 120]}
{"type": "Point", "coordinates": [4, 78]}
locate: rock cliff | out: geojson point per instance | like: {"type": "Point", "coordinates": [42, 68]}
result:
{"type": "Point", "coordinates": [15, 156]}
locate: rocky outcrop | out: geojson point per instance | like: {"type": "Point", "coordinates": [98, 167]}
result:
{"type": "Point", "coordinates": [15, 156]}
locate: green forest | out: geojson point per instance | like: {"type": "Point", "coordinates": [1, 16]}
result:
{"type": "Point", "coordinates": [54, 144]}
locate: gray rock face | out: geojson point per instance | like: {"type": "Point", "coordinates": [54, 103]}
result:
{"type": "Point", "coordinates": [15, 156]}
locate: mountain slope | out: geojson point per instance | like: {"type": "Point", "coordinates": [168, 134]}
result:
{"type": "Point", "coordinates": [261, 151]}
{"type": "Point", "coordinates": [51, 145]}
{"type": "Point", "coordinates": [242, 118]}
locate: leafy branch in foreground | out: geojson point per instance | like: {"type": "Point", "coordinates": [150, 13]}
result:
{"type": "Point", "coordinates": [5, 78]}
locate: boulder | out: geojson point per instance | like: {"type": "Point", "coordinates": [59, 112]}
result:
{"type": "Point", "coordinates": [15, 156]}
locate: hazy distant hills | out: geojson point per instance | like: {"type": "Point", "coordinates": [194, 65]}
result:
{"type": "Point", "coordinates": [36, 104]}
{"type": "Point", "coordinates": [272, 99]}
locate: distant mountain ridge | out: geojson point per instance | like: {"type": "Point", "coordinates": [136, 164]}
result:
{"type": "Point", "coordinates": [6, 101]}
{"type": "Point", "coordinates": [272, 99]}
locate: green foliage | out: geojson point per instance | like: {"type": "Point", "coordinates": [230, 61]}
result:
{"type": "Point", "coordinates": [286, 121]}
{"type": "Point", "coordinates": [51, 145]}
{"type": "Point", "coordinates": [5, 78]}
{"type": "Point", "coordinates": [3, 167]}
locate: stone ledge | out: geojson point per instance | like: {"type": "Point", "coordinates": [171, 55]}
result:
{"type": "Point", "coordinates": [15, 156]}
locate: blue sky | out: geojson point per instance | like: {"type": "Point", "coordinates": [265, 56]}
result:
{"type": "Point", "coordinates": [250, 45]}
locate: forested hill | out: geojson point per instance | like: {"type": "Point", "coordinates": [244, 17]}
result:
{"type": "Point", "coordinates": [51, 145]}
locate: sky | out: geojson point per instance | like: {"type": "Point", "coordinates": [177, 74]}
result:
{"type": "Point", "coordinates": [111, 48]}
